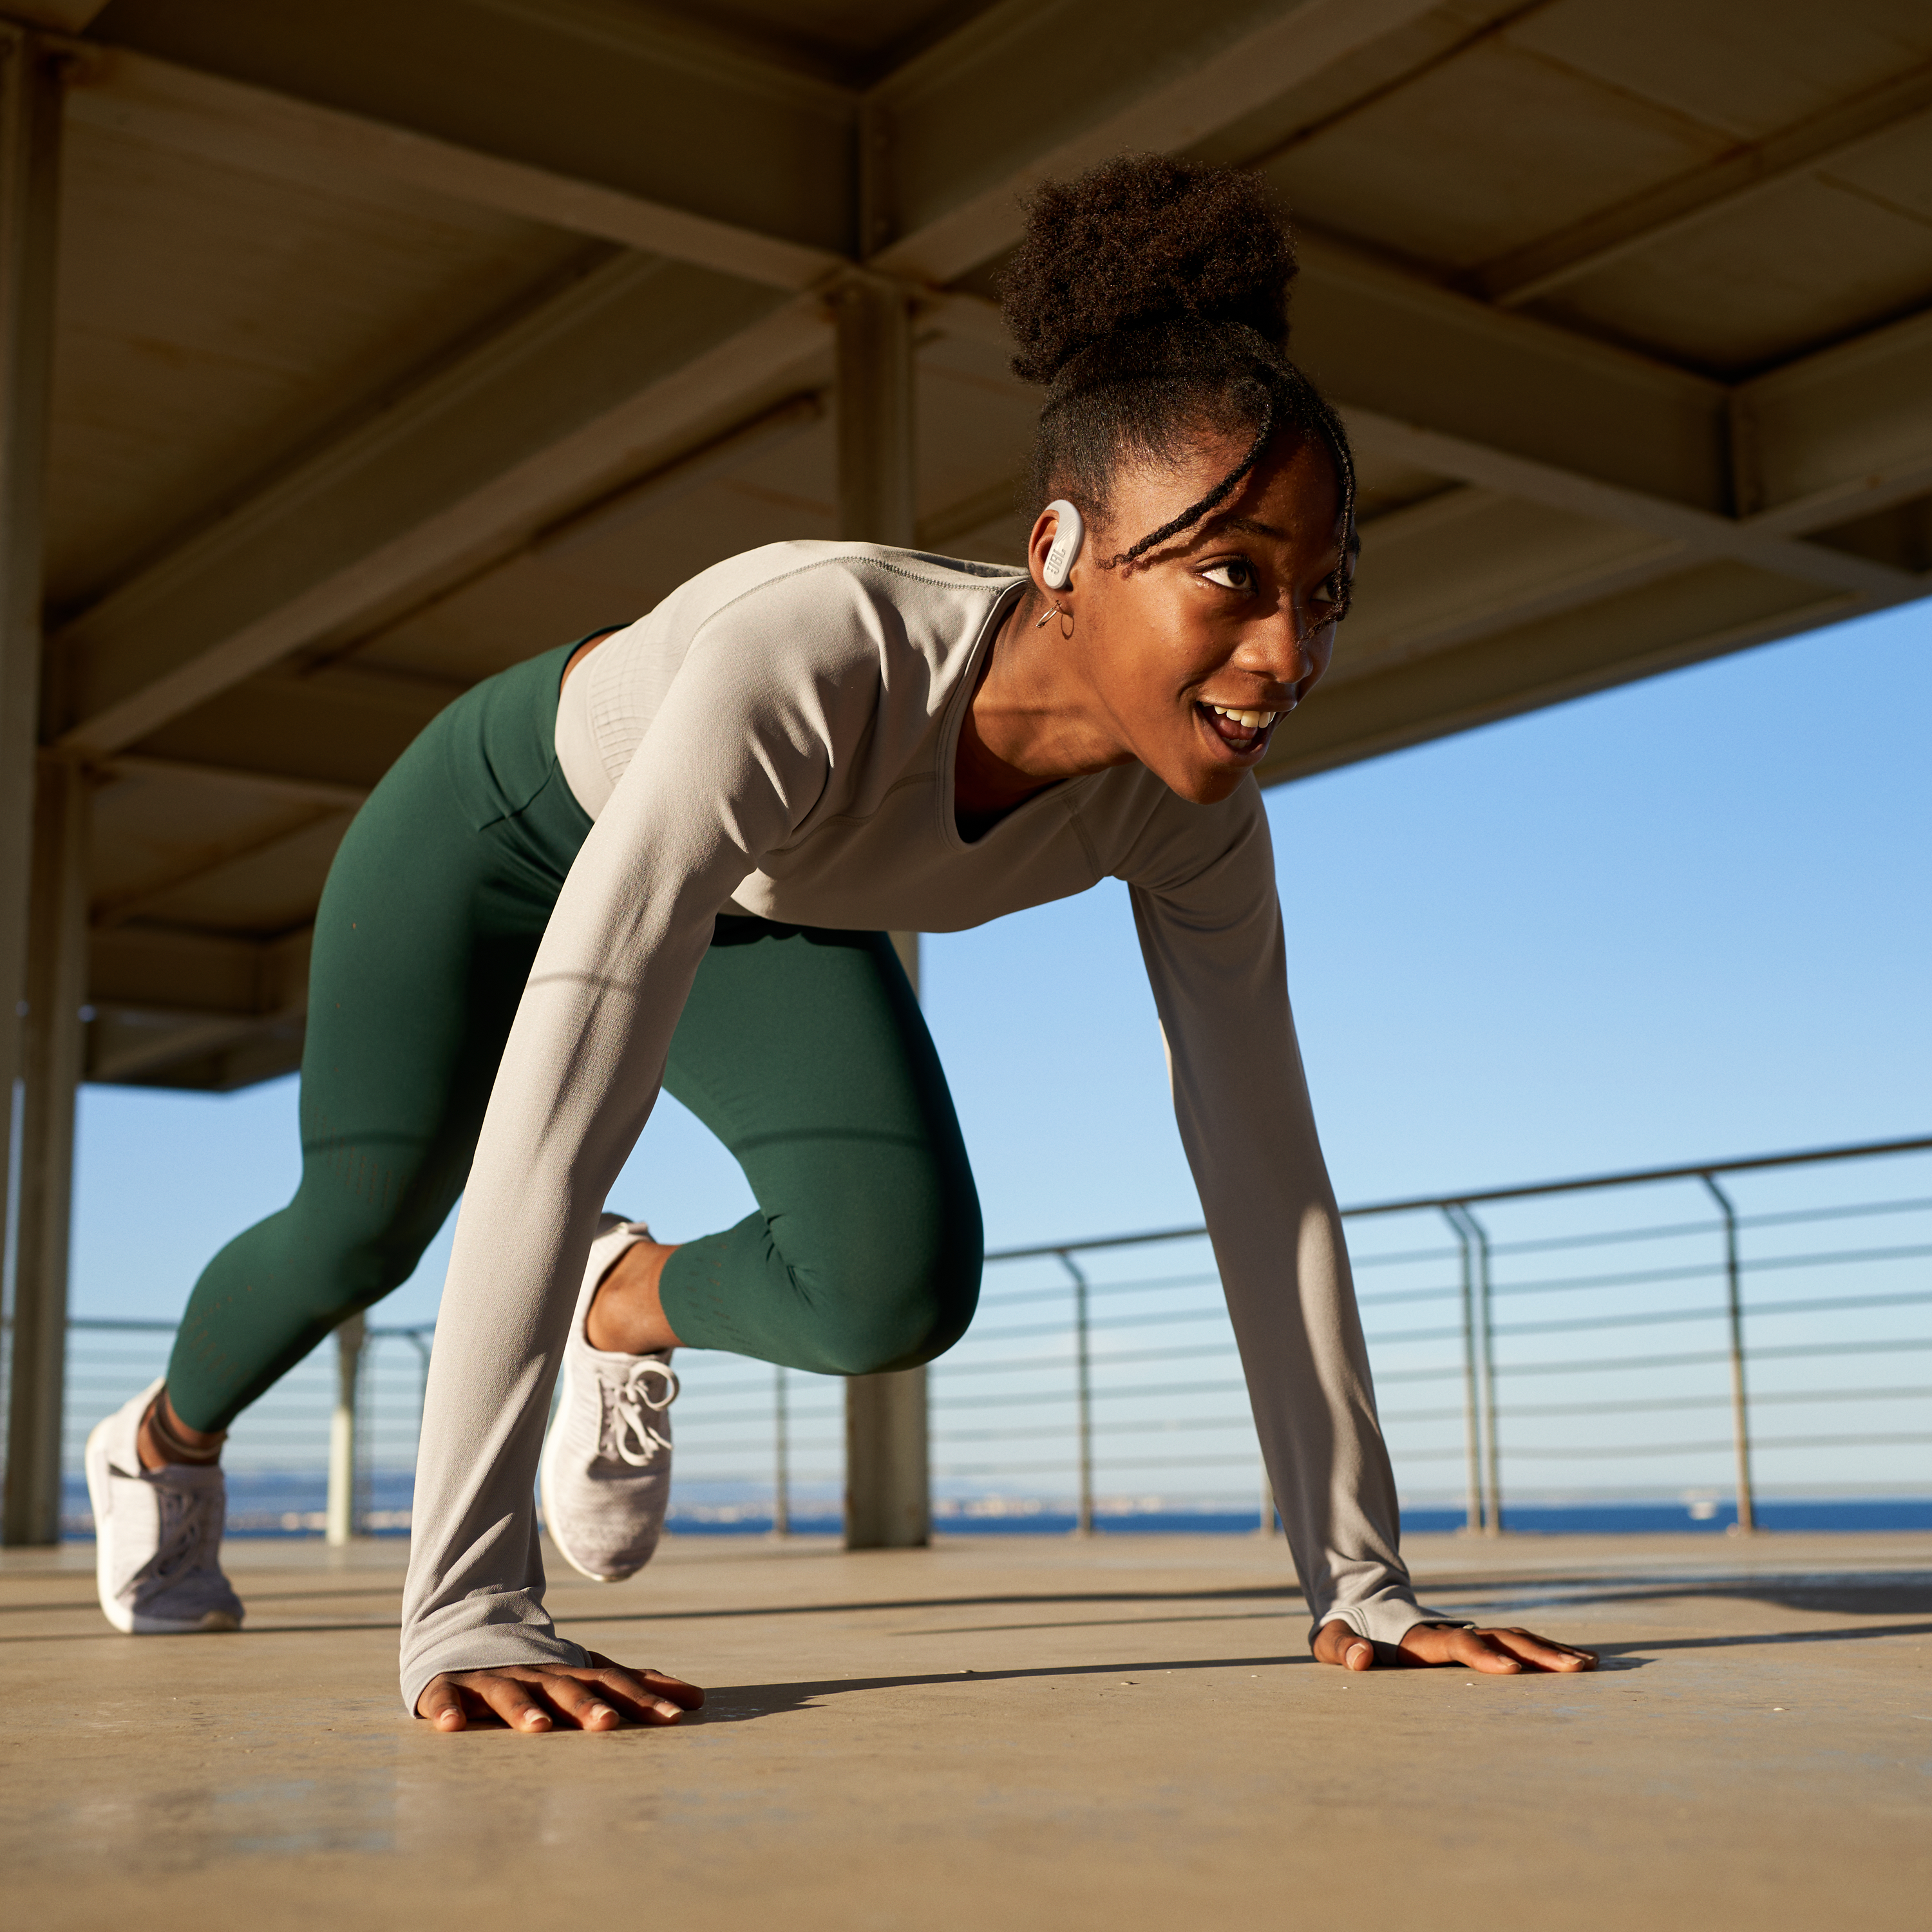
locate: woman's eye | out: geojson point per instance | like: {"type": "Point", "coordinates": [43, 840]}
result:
{"type": "Point", "coordinates": [1235, 573]}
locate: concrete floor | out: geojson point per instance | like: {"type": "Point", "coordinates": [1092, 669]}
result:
{"type": "Point", "coordinates": [1011, 1731]}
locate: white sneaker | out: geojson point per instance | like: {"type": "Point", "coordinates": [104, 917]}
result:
{"type": "Point", "coordinates": [157, 1534]}
{"type": "Point", "coordinates": [606, 1471]}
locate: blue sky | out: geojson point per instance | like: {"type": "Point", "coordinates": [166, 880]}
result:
{"type": "Point", "coordinates": [1685, 919]}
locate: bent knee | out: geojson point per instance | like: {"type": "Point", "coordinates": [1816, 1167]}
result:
{"type": "Point", "coordinates": [888, 1320]}
{"type": "Point", "coordinates": [343, 1267]}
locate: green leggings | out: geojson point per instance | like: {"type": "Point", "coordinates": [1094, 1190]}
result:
{"type": "Point", "coordinates": [802, 1049]}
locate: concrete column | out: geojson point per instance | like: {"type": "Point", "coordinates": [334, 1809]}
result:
{"type": "Point", "coordinates": [53, 1043]}
{"type": "Point", "coordinates": [30, 131]}
{"type": "Point", "coordinates": [876, 502]}
{"type": "Point", "coordinates": [887, 1503]}
{"type": "Point", "coordinates": [339, 1521]}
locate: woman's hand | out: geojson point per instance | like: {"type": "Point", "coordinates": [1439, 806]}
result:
{"type": "Point", "coordinates": [598, 1695]}
{"type": "Point", "coordinates": [1503, 1653]}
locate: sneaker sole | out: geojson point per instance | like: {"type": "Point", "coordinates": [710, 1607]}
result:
{"type": "Point", "coordinates": [139, 1625]}
{"type": "Point", "coordinates": [550, 1448]}
{"type": "Point", "coordinates": [129, 1622]}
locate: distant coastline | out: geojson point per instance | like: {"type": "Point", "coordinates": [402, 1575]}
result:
{"type": "Point", "coordinates": [269, 1504]}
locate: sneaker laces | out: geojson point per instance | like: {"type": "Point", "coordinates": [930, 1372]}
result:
{"type": "Point", "coordinates": [185, 1515]}
{"type": "Point", "coordinates": [628, 1409]}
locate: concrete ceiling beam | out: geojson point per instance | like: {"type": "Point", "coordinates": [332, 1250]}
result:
{"type": "Point", "coordinates": [160, 970]}
{"type": "Point", "coordinates": [236, 124]}
{"type": "Point", "coordinates": [1701, 531]}
{"type": "Point", "coordinates": [1470, 561]}
{"type": "Point", "coordinates": [61, 16]}
{"type": "Point", "coordinates": [535, 108]}
{"type": "Point", "coordinates": [1719, 187]}
{"type": "Point", "coordinates": [1842, 432]}
{"type": "Point", "coordinates": [923, 173]}
{"type": "Point", "coordinates": [1024, 93]}
{"type": "Point", "coordinates": [636, 356]}
{"type": "Point", "coordinates": [135, 1045]}
{"type": "Point", "coordinates": [1389, 343]}
{"type": "Point", "coordinates": [1429, 376]}
{"type": "Point", "coordinates": [270, 787]}
{"type": "Point", "coordinates": [210, 863]}
{"type": "Point", "coordinates": [165, 1000]}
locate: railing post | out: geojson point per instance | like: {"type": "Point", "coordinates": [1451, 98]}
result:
{"type": "Point", "coordinates": [422, 1373]}
{"type": "Point", "coordinates": [1492, 1454]}
{"type": "Point", "coordinates": [1471, 1427]}
{"type": "Point", "coordinates": [781, 1470]}
{"type": "Point", "coordinates": [1478, 1325]}
{"type": "Point", "coordinates": [340, 1518]}
{"type": "Point", "coordinates": [418, 1341]}
{"type": "Point", "coordinates": [1083, 1371]}
{"type": "Point", "coordinates": [1740, 1402]}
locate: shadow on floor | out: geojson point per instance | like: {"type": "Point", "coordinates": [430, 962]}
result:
{"type": "Point", "coordinates": [1851, 1635]}
{"type": "Point", "coordinates": [737, 1703]}
{"type": "Point", "coordinates": [1905, 1593]}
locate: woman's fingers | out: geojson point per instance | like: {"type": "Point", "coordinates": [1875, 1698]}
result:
{"type": "Point", "coordinates": [1540, 1653]}
{"type": "Point", "coordinates": [582, 1700]}
{"type": "Point", "coordinates": [1336, 1643]}
{"type": "Point", "coordinates": [686, 1697]}
{"type": "Point", "coordinates": [668, 1695]}
{"type": "Point", "coordinates": [1498, 1653]}
{"type": "Point", "coordinates": [1475, 1650]}
{"type": "Point", "coordinates": [442, 1704]}
{"type": "Point", "coordinates": [597, 1697]}
{"type": "Point", "coordinates": [1444, 1643]}
{"type": "Point", "coordinates": [512, 1699]}
{"type": "Point", "coordinates": [648, 1696]}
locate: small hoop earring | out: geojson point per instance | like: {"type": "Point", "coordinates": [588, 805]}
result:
{"type": "Point", "coordinates": [1051, 611]}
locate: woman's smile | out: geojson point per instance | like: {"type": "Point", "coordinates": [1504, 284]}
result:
{"type": "Point", "coordinates": [1239, 729]}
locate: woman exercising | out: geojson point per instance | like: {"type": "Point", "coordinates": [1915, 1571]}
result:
{"type": "Point", "coordinates": [666, 856]}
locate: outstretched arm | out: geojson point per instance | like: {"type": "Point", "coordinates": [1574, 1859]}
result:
{"type": "Point", "coordinates": [740, 753]}
{"type": "Point", "coordinates": [1210, 924]}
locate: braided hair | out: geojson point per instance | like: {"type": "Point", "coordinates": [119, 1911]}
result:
{"type": "Point", "coordinates": [1150, 297]}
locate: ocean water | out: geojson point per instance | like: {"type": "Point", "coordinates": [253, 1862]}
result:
{"type": "Point", "coordinates": [275, 1505]}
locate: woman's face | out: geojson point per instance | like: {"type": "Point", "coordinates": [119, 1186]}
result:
{"type": "Point", "coordinates": [1192, 654]}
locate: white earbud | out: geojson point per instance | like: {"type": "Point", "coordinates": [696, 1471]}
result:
{"type": "Point", "coordinates": [1067, 539]}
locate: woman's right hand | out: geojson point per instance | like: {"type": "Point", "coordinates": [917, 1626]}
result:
{"type": "Point", "coordinates": [598, 1695]}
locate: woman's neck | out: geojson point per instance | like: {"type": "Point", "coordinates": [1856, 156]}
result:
{"type": "Point", "coordinates": [1028, 725]}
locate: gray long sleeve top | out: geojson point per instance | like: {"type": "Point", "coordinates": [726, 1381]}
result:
{"type": "Point", "coordinates": [777, 737]}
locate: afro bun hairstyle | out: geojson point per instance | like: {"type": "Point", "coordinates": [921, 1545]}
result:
{"type": "Point", "coordinates": [1144, 242]}
{"type": "Point", "coordinates": [1150, 297]}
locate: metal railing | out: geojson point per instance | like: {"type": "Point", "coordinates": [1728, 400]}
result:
{"type": "Point", "coordinates": [1560, 1323]}
{"type": "Point", "coordinates": [331, 1449]}
{"type": "Point", "coordinates": [1084, 1377]}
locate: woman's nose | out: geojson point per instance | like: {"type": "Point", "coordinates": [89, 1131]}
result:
{"type": "Point", "coordinates": [1278, 651]}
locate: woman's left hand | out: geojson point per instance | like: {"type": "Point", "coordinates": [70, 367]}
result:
{"type": "Point", "coordinates": [1502, 1653]}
